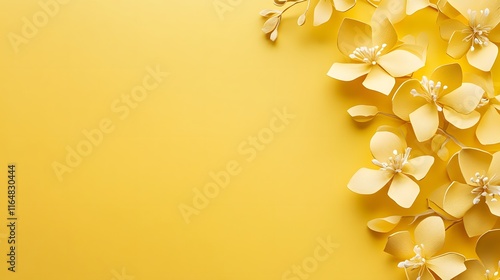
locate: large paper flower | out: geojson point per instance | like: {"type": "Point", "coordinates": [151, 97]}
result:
{"type": "Point", "coordinates": [374, 53]}
{"type": "Point", "coordinates": [419, 254]}
{"type": "Point", "coordinates": [422, 102]}
{"type": "Point", "coordinates": [473, 31]}
{"type": "Point", "coordinates": [396, 169]}
{"type": "Point", "coordinates": [473, 195]}
{"type": "Point", "coordinates": [488, 265]}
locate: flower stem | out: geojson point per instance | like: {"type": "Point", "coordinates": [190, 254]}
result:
{"type": "Point", "coordinates": [449, 136]}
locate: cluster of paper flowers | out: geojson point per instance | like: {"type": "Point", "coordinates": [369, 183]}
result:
{"type": "Point", "coordinates": [427, 107]}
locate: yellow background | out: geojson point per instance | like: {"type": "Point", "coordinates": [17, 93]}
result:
{"type": "Point", "coordinates": [119, 207]}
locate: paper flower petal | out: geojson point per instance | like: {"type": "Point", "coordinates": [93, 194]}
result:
{"type": "Point", "coordinates": [463, 6]}
{"type": "Point", "coordinates": [458, 199]}
{"type": "Point", "coordinates": [344, 5]}
{"type": "Point", "coordinates": [400, 245]}
{"type": "Point", "coordinates": [488, 130]}
{"type": "Point", "coordinates": [379, 80]}
{"type": "Point", "coordinates": [403, 190]}
{"type": "Point", "coordinates": [449, 75]}
{"type": "Point", "coordinates": [353, 34]}
{"type": "Point", "coordinates": [458, 46]}
{"type": "Point", "coordinates": [394, 10]}
{"type": "Point", "coordinates": [384, 225]}
{"type": "Point", "coordinates": [448, 265]}
{"type": "Point", "coordinates": [461, 121]}
{"type": "Point", "coordinates": [363, 113]}
{"type": "Point", "coordinates": [472, 161]}
{"type": "Point", "coordinates": [454, 171]}
{"type": "Point", "coordinates": [383, 32]}
{"type": "Point", "coordinates": [431, 233]}
{"type": "Point", "coordinates": [403, 103]}
{"type": "Point", "coordinates": [483, 57]}
{"type": "Point", "coordinates": [494, 35]}
{"type": "Point", "coordinates": [488, 249]}
{"type": "Point", "coordinates": [322, 12]}
{"type": "Point", "coordinates": [494, 207]}
{"type": "Point", "coordinates": [418, 167]}
{"type": "Point", "coordinates": [475, 270]}
{"type": "Point", "coordinates": [426, 275]}
{"type": "Point", "coordinates": [463, 99]}
{"type": "Point", "coordinates": [413, 6]}
{"type": "Point", "coordinates": [348, 71]}
{"type": "Point", "coordinates": [383, 144]}
{"type": "Point", "coordinates": [391, 63]}
{"type": "Point", "coordinates": [425, 122]}
{"type": "Point", "coordinates": [478, 220]}
{"type": "Point", "coordinates": [494, 167]}
{"type": "Point", "coordinates": [448, 26]}
{"type": "Point", "coordinates": [369, 181]}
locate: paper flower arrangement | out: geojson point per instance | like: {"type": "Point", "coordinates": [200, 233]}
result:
{"type": "Point", "coordinates": [438, 112]}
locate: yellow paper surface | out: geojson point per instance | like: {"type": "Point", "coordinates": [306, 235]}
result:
{"type": "Point", "coordinates": [259, 126]}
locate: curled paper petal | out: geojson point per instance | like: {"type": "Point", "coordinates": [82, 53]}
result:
{"type": "Point", "coordinates": [322, 12]}
{"type": "Point", "coordinates": [391, 62]}
{"type": "Point", "coordinates": [449, 75]}
{"type": "Point", "coordinates": [448, 26]}
{"type": "Point", "coordinates": [353, 34]}
{"type": "Point", "coordinates": [483, 57]}
{"type": "Point", "coordinates": [348, 71]}
{"type": "Point", "coordinates": [369, 181]}
{"type": "Point", "coordinates": [461, 121]}
{"type": "Point", "coordinates": [475, 270]}
{"type": "Point", "coordinates": [379, 80]}
{"type": "Point", "coordinates": [488, 249]}
{"type": "Point", "coordinates": [413, 6]}
{"type": "Point", "coordinates": [418, 167]}
{"type": "Point", "coordinates": [488, 130]}
{"type": "Point", "coordinates": [448, 265]}
{"type": "Point", "coordinates": [425, 122]}
{"type": "Point", "coordinates": [472, 161]}
{"type": "Point", "coordinates": [403, 103]}
{"type": "Point", "coordinates": [400, 245]}
{"type": "Point", "coordinates": [431, 233]}
{"type": "Point", "coordinates": [363, 113]}
{"type": "Point", "coordinates": [394, 10]}
{"type": "Point", "coordinates": [384, 225]}
{"type": "Point", "coordinates": [458, 199]}
{"type": "Point", "coordinates": [343, 5]}
{"type": "Point", "coordinates": [479, 220]}
{"type": "Point", "coordinates": [383, 32]}
{"type": "Point", "coordinates": [453, 169]}
{"type": "Point", "coordinates": [403, 190]}
{"type": "Point", "coordinates": [464, 99]}
{"type": "Point", "coordinates": [384, 143]}
{"type": "Point", "coordinates": [458, 45]}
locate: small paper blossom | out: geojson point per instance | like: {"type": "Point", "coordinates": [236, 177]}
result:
{"type": "Point", "coordinates": [419, 253]}
{"type": "Point", "coordinates": [396, 169]}
{"type": "Point", "coordinates": [473, 195]}
{"type": "Point", "coordinates": [488, 265]}
{"type": "Point", "coordinates": [473, 32]}
{"type": "Point", "coordinates": [374, 53]}
{"type": "Point", "coordinates": [397, 10]}
{"type": "Point", "coordinates": [324, 9]}
{"type": "Point", "coordinates": [422, 102]}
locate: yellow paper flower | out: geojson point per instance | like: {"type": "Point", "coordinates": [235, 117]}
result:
{"type": "Point", "coordinates": [396, 169]}
{"type": "Point", "coordinates": [473, 31]}
{"type": "Point", "coordinates": [473, 195]}
{"type": "Point", "coordinates": [374, 53]}
{"type": "Point", "coordinates": [488, 265]}
{"type": "Point", "coordinates": [419, 254]}
{"type": "Point", "coordinates": [421, 103]}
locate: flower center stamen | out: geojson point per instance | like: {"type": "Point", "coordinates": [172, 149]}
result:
{"type": "Point", "coordinates": [417, 262]}
{"type": "Point", "coordinates": [478, 30]}
{"type": "Point", "coordinates": [432, 93]}
{"type": "Point", "coordinates": [483, 188]}
{"type": "Point", "coordinates": [367, 55]}
{"type": "Point", "coordinates": [396, 162]}
{"type": "Point", "coordinates": [493, 275]}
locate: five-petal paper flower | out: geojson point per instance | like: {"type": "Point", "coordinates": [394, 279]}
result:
{"type": "Point", "coordinates": [488, 265]}
{"type": "Point", "coordinates": [392, 156]}
{"type": "Point", "coordinates": [473, 32]}
{"type": "Point", "coordinates": [421, 103]}
{"type": "Point", "coordinates": [419, 254]}
{"type": "Point", "coordinates": [473, 195]}
{"type": "Point", "coordinates": [374, 53]}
